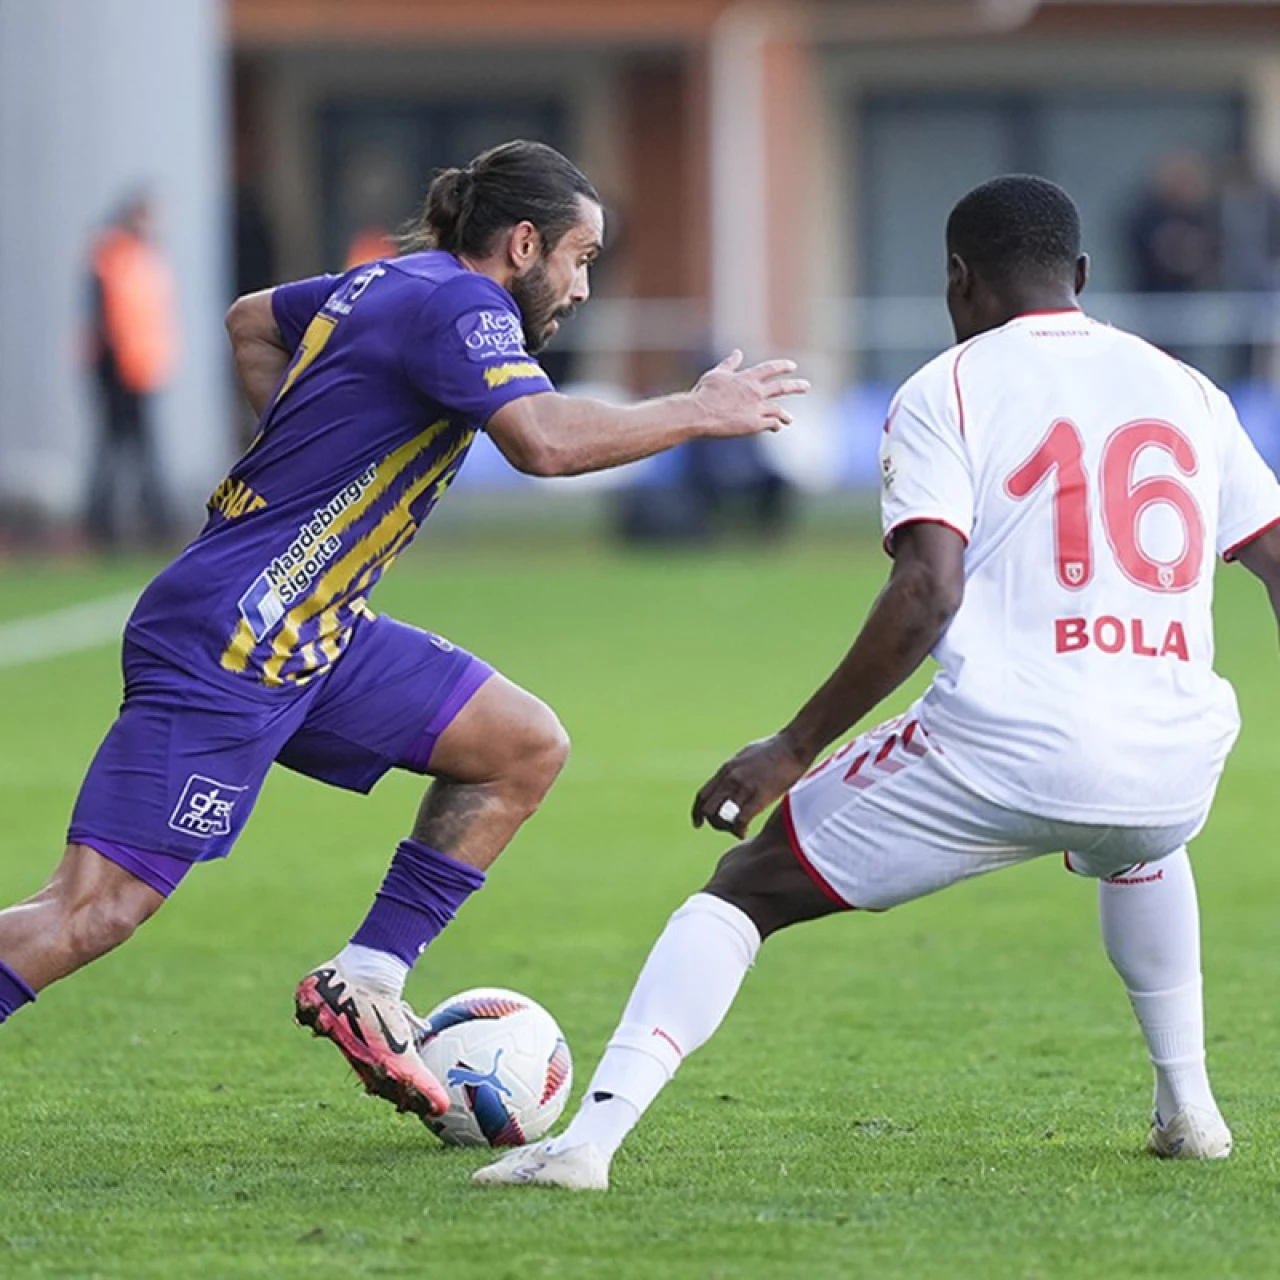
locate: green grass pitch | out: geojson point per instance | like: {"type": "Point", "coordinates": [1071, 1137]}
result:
{"type": "Point", "coordinates": [956, 1088]}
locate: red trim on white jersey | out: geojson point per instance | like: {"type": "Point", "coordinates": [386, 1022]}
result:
{"type": "Point", "coordinates": [1236, 547]}
{"type": "Point", "coordinates": [1052, 311]}
{"type": "Point", "coordinates": [902, 524]}
{"type": "Point", "coordinates": [955, 383]}
{"type": "Point", "coordinates": [794, 841]}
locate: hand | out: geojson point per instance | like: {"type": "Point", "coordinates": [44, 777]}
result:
{"type": "Point", "coordinates": [748, 784]}
{"type": "Point", "coordinates": [744, 402]}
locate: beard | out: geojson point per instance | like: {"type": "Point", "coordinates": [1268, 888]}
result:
{"type": "Point", "coordinates": [536, 299]}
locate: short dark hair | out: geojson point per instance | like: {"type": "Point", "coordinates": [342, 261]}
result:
{"type": "Point", "coordinates": [518, 181]}
{"type": "Point", "coordinates": [1016, 225]}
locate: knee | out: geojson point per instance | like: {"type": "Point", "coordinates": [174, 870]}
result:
{"type": "Point", "coordinates": [733, 882]}
{"type": "Point", "coordinates": [539, 752]}
{"type": "Point", "coordinates": [543, 750]}
{"type": "Point", "coordinates": [763, 879]}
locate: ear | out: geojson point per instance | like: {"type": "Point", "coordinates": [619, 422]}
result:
{"type": "Point", "coordinates": [524, 247]}
{"type": "Point", "coordinates": [959, 277]}
{"type": "Point", "coordinates": [1082, 273]}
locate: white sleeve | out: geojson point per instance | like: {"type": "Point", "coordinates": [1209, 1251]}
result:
{"type": "Point", "coordinates": [925, 473]}
{"type": "Point", "coordinates": [1249, 495]}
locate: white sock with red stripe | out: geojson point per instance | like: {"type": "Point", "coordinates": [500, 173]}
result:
{"type": "Point", "coordinates": [1151, 928]}
{"type": "Point", "coordinates": [681, 996]}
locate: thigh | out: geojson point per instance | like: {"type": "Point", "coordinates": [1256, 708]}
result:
{"type": "Point", "coordinates": [181, 768]}
{"type": "Point", "coordinates": [763, 878]}
{"type": "Point", "coordinates": [1124, 855]}
{"type": "Point", "coordinates": [383, 706]}
{"type": "Point", "coordinates": [882, 822]}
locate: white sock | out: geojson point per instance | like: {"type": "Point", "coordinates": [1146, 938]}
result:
{"type": "Point", "coordinates": [378, 969]}
{"type": "Point", "coordinates": [1151, 928]}
{"type": "Point", "coordinates": [681, 996]}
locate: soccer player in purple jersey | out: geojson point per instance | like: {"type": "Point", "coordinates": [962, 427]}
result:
{"type": "Point", "coordinates": [257, 645]}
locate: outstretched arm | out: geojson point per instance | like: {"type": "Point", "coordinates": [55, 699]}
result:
{"type": "Point", "coordinates": [548, 434]}
{"type": "Point", "coordinates": [908, 618]}
{"type": "Point", "coordinates": [1262, 558]}
{"type": "Point", "coordinates": [258, 348]}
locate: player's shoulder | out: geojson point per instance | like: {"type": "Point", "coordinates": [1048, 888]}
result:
{"type": "Point", "coordinates": [445, 289]}
{"type": "Point", "coordinates": [929, 393]}
{"type": "Point", "coordinates": [1155, 360]}
{"type": "Point", "coordinates": [1215, 398]}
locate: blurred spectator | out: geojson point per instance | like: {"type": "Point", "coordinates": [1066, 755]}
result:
{"type": "Point", "coordinates": [738, 486]}
{"type": "Point", "coordinates": [1249, 257]}
{"type": "Point", "coordinates": [1171, 232]}
{"type": "Point", "coordinates": [374, 198]}
{"type": "Point", "coordinates": [134, 351]}
{"type": "Point", "coordinates": [708, 489]}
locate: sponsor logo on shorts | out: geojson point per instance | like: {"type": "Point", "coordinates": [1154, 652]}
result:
{"type": "Point", "coordinates": [491, 335]}
{"type": "Point", "coordinates": [205, 807]}
{"type": "Point", "coordinates": [1139, 873]}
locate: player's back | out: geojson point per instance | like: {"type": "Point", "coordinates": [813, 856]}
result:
{"type": "Point", "coordinates": [1095, 478]}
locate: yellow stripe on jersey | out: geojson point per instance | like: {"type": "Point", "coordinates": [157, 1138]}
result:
{"type": "Point", "coordinates": [312, 343]}
{"type": "Point", "coordinates": [330, 624]}
{"type": "Point", "coordinates": [369, 553]}
{"type": "Point", "coordinates": [501, 374]}
{"type": "Point", "coordinates": [236, 655]}
{"type": "Point", "coordinates": [317, 334]}
{"type": "Point", "coordinates": [238, 651]}
{"type": "Point", "coordinates": [234, 499]}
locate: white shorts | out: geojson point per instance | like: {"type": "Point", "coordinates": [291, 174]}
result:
{"type": "Point", "coordinates": [884, 821]}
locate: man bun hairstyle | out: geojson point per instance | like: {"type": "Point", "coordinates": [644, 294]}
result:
{"type": "Point", "coordinates": [520, 181]}
{"type": "Point", "coordinates": [1016, 226]}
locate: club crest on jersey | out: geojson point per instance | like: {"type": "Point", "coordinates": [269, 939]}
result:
{"type": "Point", "coordinates": [205, 807]}
{"type": "Point", "coordinates": [1075, 572]}
{"type": "Point", "coordinates": [491, 335]}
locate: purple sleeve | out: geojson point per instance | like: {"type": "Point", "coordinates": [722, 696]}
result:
{"type": "Point", "coordinates": [466, 351]}
{"type": "Point", "coordinates": [295, 305]}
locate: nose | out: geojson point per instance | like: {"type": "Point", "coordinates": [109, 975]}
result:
{"type": "Point", "coordinates": [581, 290]}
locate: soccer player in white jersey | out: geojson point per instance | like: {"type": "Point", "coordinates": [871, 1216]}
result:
{"type": "Point", "coordinates": [1054, 493]}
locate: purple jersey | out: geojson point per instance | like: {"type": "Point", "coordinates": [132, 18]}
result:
{"type": "Point", "coordinates": [396, 366]}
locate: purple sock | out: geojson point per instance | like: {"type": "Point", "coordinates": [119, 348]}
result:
{"type": "Point", "coordinates": [14, 993]}
{"type": "Point", "coordinates": [421, 894]}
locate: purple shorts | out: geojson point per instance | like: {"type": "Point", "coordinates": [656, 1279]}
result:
{"type": "Point", "coordinates": [180, 770]}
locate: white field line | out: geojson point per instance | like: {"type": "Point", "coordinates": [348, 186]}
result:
{"type": "Point", "coordinates": [71, 630]}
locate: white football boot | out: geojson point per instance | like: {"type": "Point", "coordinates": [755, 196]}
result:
{"type": "Point", "coordinates": [581, 1168]}
{"type": "Point", "coordinates": [1192, 1134]}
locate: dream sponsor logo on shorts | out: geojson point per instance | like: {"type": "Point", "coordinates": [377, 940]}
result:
{"type": "Point", "coordinates": [205, 807]}
{"type": "Point", "coordinates": [292, 573]}
{"type": "Point", "coordinates": [492, 335]}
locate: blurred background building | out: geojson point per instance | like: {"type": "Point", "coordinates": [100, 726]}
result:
{"type": "Point", "coordinates": [777, 177]}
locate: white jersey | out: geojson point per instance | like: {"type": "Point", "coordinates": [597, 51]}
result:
{"type": "Point", "coordinates": [1094, 479]}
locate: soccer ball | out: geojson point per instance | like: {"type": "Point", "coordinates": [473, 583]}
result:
{"type": "Point", "coordinates": [504, 1063]}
